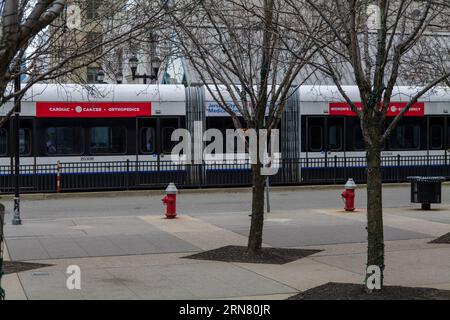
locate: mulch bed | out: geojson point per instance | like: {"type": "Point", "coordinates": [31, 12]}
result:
{"type": "Point", "coordinates": [266, 256]}
{"type": "Point", "coordinates": [348, 291]}
{"type": "Point", "coordinates": [16, 267]}
{"type": "Point", "coordinates": [445, 239]}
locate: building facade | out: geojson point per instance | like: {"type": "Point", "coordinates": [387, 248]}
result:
{"type": "Point", "coordinates": [94, 41]}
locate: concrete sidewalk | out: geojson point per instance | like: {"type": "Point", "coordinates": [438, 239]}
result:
{"type": "Point", "coordinates": [139, 255]}
{"type": "Point", "coordinates": [11, 282]}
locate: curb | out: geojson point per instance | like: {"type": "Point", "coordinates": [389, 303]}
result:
{"type": "Point", "coordinates": [143, 193]}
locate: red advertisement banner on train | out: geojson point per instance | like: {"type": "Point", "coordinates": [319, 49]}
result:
{"type": "Point", "coordinates": [343, 109]}
{"type": "Point", "coordinates": [93, 109]}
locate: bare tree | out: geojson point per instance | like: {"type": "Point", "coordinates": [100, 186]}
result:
{"type": "Point", "coordinates": [56, 40]}
{"type": "Point", "coordinates": [241, 50]}
{"type": "Point", "coordinates": [21, 22]}
{"type": "Point", "coordinates": [380, 43]}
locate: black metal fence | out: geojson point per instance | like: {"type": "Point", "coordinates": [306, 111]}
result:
{"type": "Point", "coordinates": [128, 175]}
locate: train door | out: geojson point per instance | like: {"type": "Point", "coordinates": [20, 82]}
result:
{"type": "Point", "coordinates": [335, 136]}
{"type": "Point", "coordinates": [7, 154]}
{"type": "Point", "coordinates": [167, 126]}
{"type": "Point", "coordinates": [408, 138]}
{"type": "Point", "coordinates": [436, 135]}
{"type": "Point", "coordinates": [147, 139]}
{"type": "Point", "coordinates": [155, 138]}
{"type": "Point", "coordinates": [4, 147]}
{"type": "Point", "coordinates": [325, 136]}
{"type": "Point", "coordinates": [315, 137]}
{"type": "Point", "coordinates": [25, 140]}
{"type": "Point", "coordinates": [436, 144]}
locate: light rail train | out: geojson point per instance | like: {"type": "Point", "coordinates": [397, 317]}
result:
{"type": "Point", "coordinates": [85, 128]}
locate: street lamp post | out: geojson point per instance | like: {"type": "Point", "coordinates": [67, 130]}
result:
{"type": "Point", "coordinates": [156, 64]}
{"type": "Point", "coordinates": [17, 104]}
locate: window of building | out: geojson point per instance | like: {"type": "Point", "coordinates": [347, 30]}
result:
{"type": "Point", "coordinates": [406, 136]}
{"type": "Point", "coordinates": [436, 137]}
{"type": "Point", "coordinates": [3, 142]}
{"type": "Point", "coordinates": [92, 9]}
{"type": "Point", "coordinates": [64, 141]}
{"type": "Point", "coordinates": [316, 138]}
{"type": "Point", "coordinates": [92, 74]}
{"type": "Point", "coordinates": [94, 41]}
{"type": "Point", "coordinates": [108, 140]}
{"type": "Point", "coordinates": [148, 140]}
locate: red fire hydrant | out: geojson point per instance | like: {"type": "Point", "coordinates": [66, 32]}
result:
{"type": "Point", "coordinates": [170, 200]}
{"type": "Point", "coordinates": [349, 195]}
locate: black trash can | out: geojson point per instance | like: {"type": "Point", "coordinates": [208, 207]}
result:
{"type": "Point", "coordinates": [426, 190]}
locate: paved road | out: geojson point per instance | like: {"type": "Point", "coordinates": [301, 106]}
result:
{"type": "Point", "coordinates": [203, 204]}
{"type": "Point", "coordinates": [126, 250]}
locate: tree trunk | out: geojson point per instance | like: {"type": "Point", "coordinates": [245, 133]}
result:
{"type": "Point", "coordinates": [375, 251]}
{"type": "Point", "coordinates": [257, 218]}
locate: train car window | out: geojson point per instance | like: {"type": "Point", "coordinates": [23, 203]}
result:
{"type": "Point", "coordinates": [335, 133]}
{"type": "Point", "coordinates": [406, 136]}
{"type": "Point", "coordinates": [436, 137]}
{"type": "Point", "coordinates": [234, 144]}
{"type": "Point", "coordinates": [358, 139]}
{"type": "Point", "coordinates": [448, 133]}
{"type": "Point", "coordinates": [167, 143]}
{"type": "Point", "coordinates": [64, 141]}
{"type": "Point", "coordinates": [108, 140]}
{"type": "Point", "coordinates": [223, 124]}
{"type": "Point", "coordinates": [148, 140]}
{"type": "Point", "coordinates": [3, 142]}
{"type": "Point", "coordinates": [316, 138]}
{"type": "Point", "coordinates": [25, 142]}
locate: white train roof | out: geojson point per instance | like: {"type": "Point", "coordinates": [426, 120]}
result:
{"type": "Point", "coordinates": [176, 93]}
{"type": "Point", "coordinates": [105, 92]}
{"type": "Point", "coordinates": [328, 93]}
{"type": "Point", "coordinates": [400, 94]}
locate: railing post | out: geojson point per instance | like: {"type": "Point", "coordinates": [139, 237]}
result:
{"type": "Point", "coordinates": [446, 163]}
{"type": "Point", "coordinates": [136, 173]}
{"type": "Point", "coordinates": [58, 177]}
{"type": "Point", "coordinates": [346, 174]}
{"type": "Point", "coordinates": [307, 169]}
{"type": "Point", "coordinates": [128, 175]}
{"type": "Point", "coordinates": [202, 174]}
{"type": "Point", "coordinates": [335, 169]}
{"type": "Point", "coordinates": [398, 168]}
{"type": "Point", "coordinates": [35, 178]}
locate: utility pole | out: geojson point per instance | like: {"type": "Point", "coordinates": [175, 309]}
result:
{"type": "Point", "coordinates": [17, 104]}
